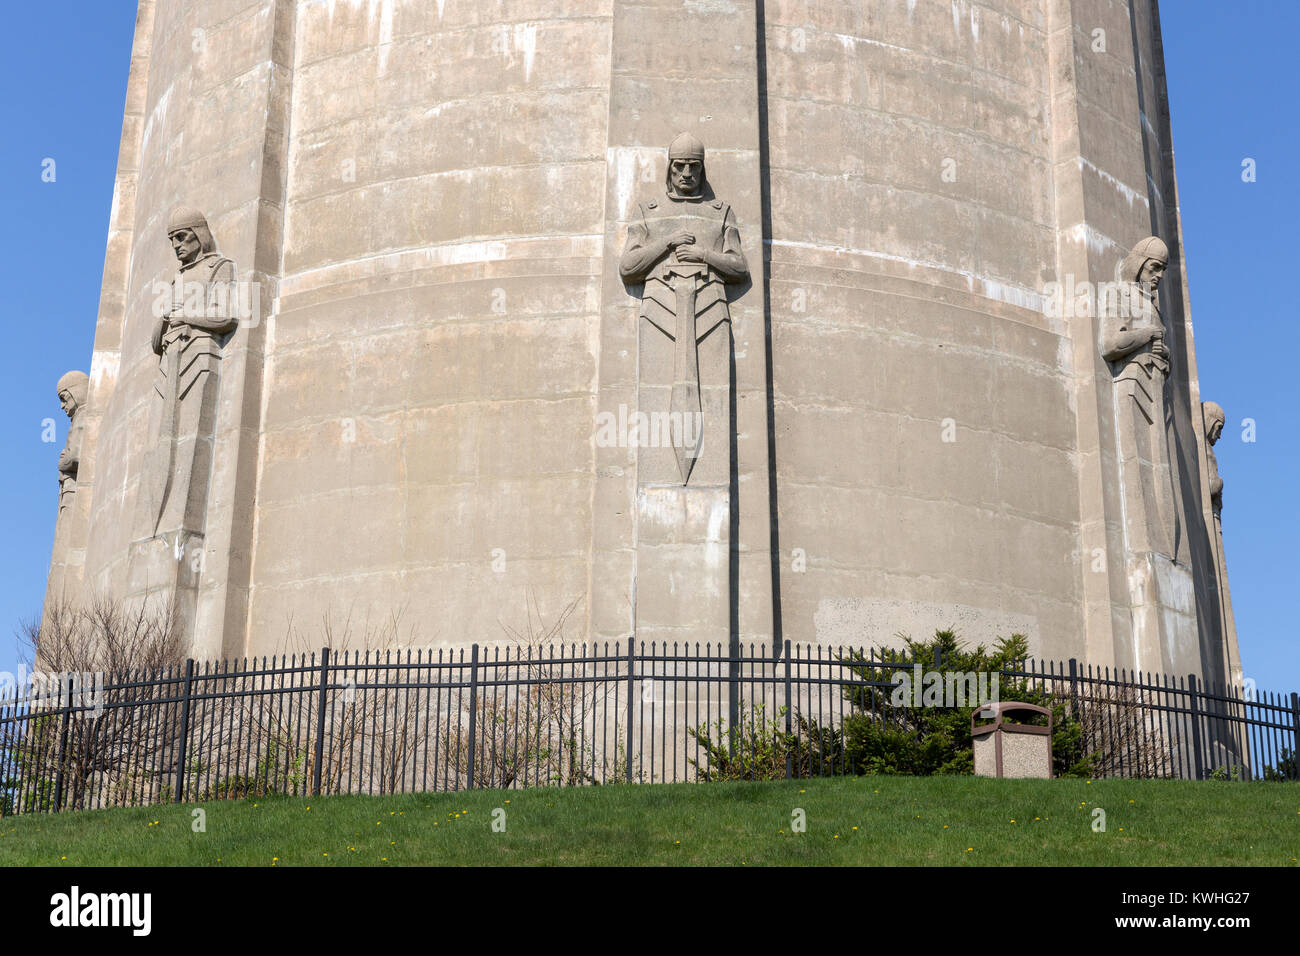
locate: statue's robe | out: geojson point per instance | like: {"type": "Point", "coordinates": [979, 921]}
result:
{"type": "Point", "coordinates": [1216, 483]}
{"type": "Point", "coordinates": [1144, 427]}
{"type": "Point", "coordinates": [69, 461]}
{"type": "Point", "coordinates": [685, 301]}
{"type": "Point", "coordinates": [189, 348]}
{"type": "Point", "coordinates": [1228, 623]}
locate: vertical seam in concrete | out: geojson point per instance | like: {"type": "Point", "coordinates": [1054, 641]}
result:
{"type": "Point", "coordinates": [1093, 597]}
{"type": "Point", "coordinates": [1143, 119]}
{"type": "Point", "coordinates": [599, 318]}
{"type": "Point", "coordinates": [765, 205]}
{"type": "Point", "coordinates": [266, 363]}
{"type": "Point", "coordinates": [597, 586]}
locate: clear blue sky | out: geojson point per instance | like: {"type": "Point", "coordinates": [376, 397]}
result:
{"type": "Point", "coordinates": [1232, 92]}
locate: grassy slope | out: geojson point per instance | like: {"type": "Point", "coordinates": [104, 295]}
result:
{"type": "Point", "coordinates": [899, 820]}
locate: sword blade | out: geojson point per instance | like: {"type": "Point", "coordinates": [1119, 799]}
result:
{"type": "Point", "coordinates": [686, 420]}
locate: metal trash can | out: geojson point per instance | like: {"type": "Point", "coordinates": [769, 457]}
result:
{"type": "Point", "coordinates": [1005, 749]}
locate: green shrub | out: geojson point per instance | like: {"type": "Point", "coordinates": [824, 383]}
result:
{"type": "Point", "coordinates": [877, 736]}
{"type": "Point", "coordinates": [756, 751]}
{"type": "Point", "coordinates": [881, 737]}
{"type": "Point", "coordinates": [1285, 769]}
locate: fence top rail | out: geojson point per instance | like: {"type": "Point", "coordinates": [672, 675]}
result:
{"type": "Point", "coordinates": [275, 673]}
{"type": "Point", "coordinates": [1284, 723]}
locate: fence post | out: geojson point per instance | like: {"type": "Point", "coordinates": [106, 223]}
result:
{"type": "Point", "coordinates": [185, 729]}
{"type": "Point", "coordinates": [630, 659]}
{"type": "Point", "coordinates": [473, 713]}
{"type": "Point", "coordinates": [789, 757]}
{"type": "Point", "coordinates": [1198, 762]}
{"type": "Point", "coordinates": [1074, 688]}
{"type": "Point", "coordinates": [63, 740]}
{"type": "Point", "coordinates": [320, 721]}
{"type": "Point", "coordinates": [1295, 724]}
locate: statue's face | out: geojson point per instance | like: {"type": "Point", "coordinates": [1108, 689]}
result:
{"type": "Point", "coordinates": [687, 175]}
{"type": "Point", "coordinates": [186, 245]}
{"type": "Point", "coordinates": [67, 402]}
{"type": "Point", "coordinates": [1152, 272]}
{"type": "Point", "coordinates": [1216, 429]}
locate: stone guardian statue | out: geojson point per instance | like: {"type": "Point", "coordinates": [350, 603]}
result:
{"type": "Point", "coordinates": [684, 247]}
{"type": "Point", "coordinates": [1213, 419]}
{"type": "Point", "coordinates": [1133, 343]}
{"type": "Point", "coordinates": [188, 340]}
{"type": "Point", "coordinates": [72, 388]}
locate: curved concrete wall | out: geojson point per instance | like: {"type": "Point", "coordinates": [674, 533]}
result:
{"type": "Point", "coordinates": [433, 195]}
{"type": "Point", "coordinates": [919, 388]}
{"type": "Point", "coordinates": [426, 442]}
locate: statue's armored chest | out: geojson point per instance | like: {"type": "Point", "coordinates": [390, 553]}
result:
{"type": "Point", "coordinates": [662, 297]}
{"type": "Point", "coordinates": [705, 219]}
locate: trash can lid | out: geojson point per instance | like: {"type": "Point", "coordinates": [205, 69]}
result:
{"type": "Point", "coordinates": [1003, 707]}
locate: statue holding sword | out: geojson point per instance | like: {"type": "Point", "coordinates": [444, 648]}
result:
{"type": "Point", "coordinates": [685, 248]}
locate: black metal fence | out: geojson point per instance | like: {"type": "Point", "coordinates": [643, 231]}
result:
{"type": "Point", "coordinates": [390, 722]}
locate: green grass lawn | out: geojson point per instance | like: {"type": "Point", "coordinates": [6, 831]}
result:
{"type": "Point", "coordinates": [930, 821]}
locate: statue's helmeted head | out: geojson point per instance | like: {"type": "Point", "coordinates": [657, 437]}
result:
{"type": "Point", "coordinates": [189, 234]}
{"type": "Point", "coordinates": [1215, 418]}
{"type": "Point", "coordinates": [73, 388]}
{"type": "Point", "coordinates": [686, 167]}
{"type": "Point", "coordinates": [1146, 262]}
